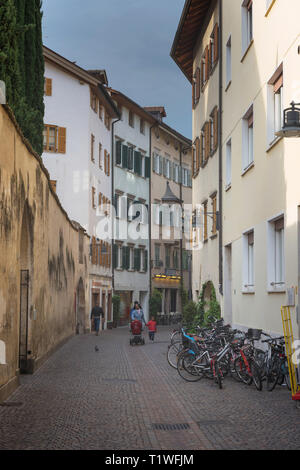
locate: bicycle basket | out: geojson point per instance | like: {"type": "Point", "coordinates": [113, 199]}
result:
{"type": "Point", "coordinates": [254, 334]}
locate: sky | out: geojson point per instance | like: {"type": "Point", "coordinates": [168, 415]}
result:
{"type": "Point", "coordinates": [131, 40]}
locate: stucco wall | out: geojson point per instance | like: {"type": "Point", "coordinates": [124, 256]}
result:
{"type": "Point", "coordinates": [35, 235]}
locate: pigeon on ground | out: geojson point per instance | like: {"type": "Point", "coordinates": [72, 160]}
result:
{"type": "Point", "coordinates": [96, 348]}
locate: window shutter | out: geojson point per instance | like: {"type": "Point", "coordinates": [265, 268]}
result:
{"type": "Point", "coordinates": [137, 163]}
{"type": "Point", "coordinates": [198, 84]}
{"type": "Point", "coordinates": [62, 134]}
{"type": "Point", "coordinates": [108, 164]}
{"type": "Point", "coordinates": [206, 63]}
{"type": "Point", "coordinates": [216, 43]}
{"type": "Point", "coordinates": [118, 152]}
{"type": "Point", "coordinates": [146, 260]}
{"type": "Point", "coordinates": [147, 167]}
{"type": "Point", "coordinates": [193, 93]}
{"type": "Point", "coordinates": [127, 257]}
{"type": "Point", "coordinates": [278, 84]}
{"type": "Point", "coordinates": [48, 86]}
{"type": "Point", "coordinates": [124, 156]}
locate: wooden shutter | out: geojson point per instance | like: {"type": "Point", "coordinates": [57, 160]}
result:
{"type": "Point", "coordinates": [198, 77]}
{"type": "Point", "coordinates": [48, 86]}
{"type": "Point", "coordinates": [108, 164]}
{"type": "Point", "coordinates": [193, 93]}
{"type": "Point", "coordinates": [62, 135]}
{"type": "Point", "coordinates": [206, 63]}
{"type": "Point", "coordinates": [105, 162]}
{"type": "Point", "coordinates": [215, 128]}
{"type": "Point", "coordinates": [278, 84]}
{"type": "Point", "coordinates": [124, 156]}
{"type": "Point", "coordinates": [216, 43]}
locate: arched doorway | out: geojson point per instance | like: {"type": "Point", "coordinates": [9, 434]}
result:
{"type": "Point", "coordinates": [80, 308]}
{"type": "Point", "coordinates": [25, 264]}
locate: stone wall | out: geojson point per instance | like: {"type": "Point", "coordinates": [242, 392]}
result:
{"type": "Point", "coordinates": [43, 277]}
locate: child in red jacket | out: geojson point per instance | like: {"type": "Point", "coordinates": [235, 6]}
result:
{"type": "Point", "coordinates": [151, 328]}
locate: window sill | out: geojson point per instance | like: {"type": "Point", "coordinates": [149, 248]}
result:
{"type": "Point", "coordinates": [248, 291]}
{"type": "Point", "coordinates": [274, 143]}
{"type": "Point", "coordinates": [227, 187]}
{"type": "Point", "coordinates": [278, 290]}
{"type": "Point", "coordinates": [247, 50]}
{"type": "Point", "coordinates": [228, 86]}
{"type": "Point", "coordinates": [249, 167]}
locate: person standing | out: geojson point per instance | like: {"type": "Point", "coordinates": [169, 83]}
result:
{"type": "Point", "coordinates": [152, 328]}
{"type": "Point", "coordinates": [96, 314]}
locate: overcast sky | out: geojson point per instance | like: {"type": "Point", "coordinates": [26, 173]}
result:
{"type": "Point", "coordinates": [132, 40]}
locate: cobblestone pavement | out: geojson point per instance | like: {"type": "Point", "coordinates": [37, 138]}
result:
{"type": "Point", "coordinates": [112, 400]}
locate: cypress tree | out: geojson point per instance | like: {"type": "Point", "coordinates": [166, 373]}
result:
{"type": "Point", "coordinates": [9, 64]}
{"type": "Point", "coordinates": [22, 65]}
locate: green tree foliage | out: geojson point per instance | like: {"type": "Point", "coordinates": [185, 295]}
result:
{"type": "Point", "coordinates": [22, 65]}
{"type": "Point", "coordinates": [155, 303]}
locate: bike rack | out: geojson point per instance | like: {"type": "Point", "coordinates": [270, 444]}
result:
{"type": "Point", "coordinates": [289, 340]}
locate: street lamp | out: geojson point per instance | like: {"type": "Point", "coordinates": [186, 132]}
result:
{"type": "Point", "coordinates": [291, 122]}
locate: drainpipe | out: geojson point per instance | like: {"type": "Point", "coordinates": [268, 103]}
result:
{"type": "Point", "coordinates": [113, 196]}
{"type": "Point", "coordinates": [220, 147]}
{"type": "Point", "coordinates": [150, 212]}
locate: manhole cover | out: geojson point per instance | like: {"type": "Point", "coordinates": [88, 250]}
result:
{"type": "Point", "coordinates": [11, 403]}
{"type": "Point", "coordinates": [170, 427]}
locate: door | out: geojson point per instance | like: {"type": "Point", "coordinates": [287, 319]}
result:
{"type": "Point", "coordinates": [23, 335]}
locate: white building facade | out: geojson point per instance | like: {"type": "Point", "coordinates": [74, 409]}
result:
{"type": "Point", "coordinates": [77, 153]}
{"type": "Point", "coordinates": [131, 200]}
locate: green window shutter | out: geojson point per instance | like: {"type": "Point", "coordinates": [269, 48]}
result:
{"type": "Point", "coordinates": [137, 259]}
{"type": "Point", "coordinates": [124, 156]}
{"type": "Point", "coordinates": [137, 163]}
{"type": "Point", "coordinates": [146, 260]}
{"type": "Point", "coordinates": [127, 257]}
{"type": "Point", "coordinates": [115, 256]}
{"type": "Point", "coordinates": [147, 167]}
{"type": "Point", "coordinates": [124, 252]}
{"type": "Point", "coordinates": [118, 152]}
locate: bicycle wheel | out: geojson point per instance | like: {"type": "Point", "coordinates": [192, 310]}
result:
{"type": "Point", "coordinates": [186, 369]}
{"type": "Point", "coordinates": [242, 371]}
{"type": "Point", "coordinates": [175, 336]}
{"type": "Point", "coordinates": [256, 375]}
{"type": "Point", "coordinates": [173, 351]}
{"type": "Point", "coordinates": [273, 374]}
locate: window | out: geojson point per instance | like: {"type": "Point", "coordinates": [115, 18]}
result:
{"type": "Point", "coordinates": [130, 158]}
{"type": "Point", "coordinates": [142, 126]}
{"type": "Point", "coordinates": [276, 254]}
{"type": "Point", "coordinates": [100, 112]}
{"type": "Point", "coordinates": [205, 67]}
{"type": "Point", "coordinates": [48, 87]}
{"type": "Point", "coordinates": [247, 130]}
{"type": "Point", "coordinates": [248, 262]}
{"type": "Point", "coordinates": [175, 259]}
{"type": "Point", "coordinates": [228, 62]}
{"type": "Point", "coordinates": [196, 156]}
{"type": "Point", "coordinates": [275, 104]}
{"type": "Point", "coordinates": [213, 124]}
{"type": "Point", "coordinates": [131, 119]}
{"type": "Point", "coordinates": [247, 24]}
{"type": "Point", "coordinates": [205, 215]}
{"type": "Point", "coordinates": [196, 87]}
{"type": "Point", "coordinates": [93, 198]}
{"type": "Point", "coordinates": [228, 163]}
{"type": "Point", "coordinates": [94, 102]}
{"type": "Point", "coordinates": [118, 152]}
{"type": "Point", "coordinates": [100, 156]}
{"type": "Point", "coordinates": [92, 147]}
{"type": "Point", "coordinates": [157, 256]}
{"type": "Point", "coordinates": [107, 120]}
{"type": "Point", "coordinates": [214, 48]}
{"type": "Point", "coordinates": [214, 215]}
{"type": "Point", "coordinates": [54, 139]}
{"type": "Point", "coordinates": [106, 163]}
{"type": "Point", "coordinates": [168, 257]}
{"type": "Point", "coordinates": [206, 142]}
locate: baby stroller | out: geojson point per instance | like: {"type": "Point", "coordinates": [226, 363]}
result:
{"type": "Point", "coordinates": [136, 332]}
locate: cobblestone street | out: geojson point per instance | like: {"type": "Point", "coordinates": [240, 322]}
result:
{"type": "Point", "coordinates": [112, 400]}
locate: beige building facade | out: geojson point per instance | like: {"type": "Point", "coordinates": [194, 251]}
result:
{"type": "Point", "coordinates": [44, 261]}
{"type": "Point", "coordinates": [259, 196]}
{"type": "Point", "coordinates": [171, 164]}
